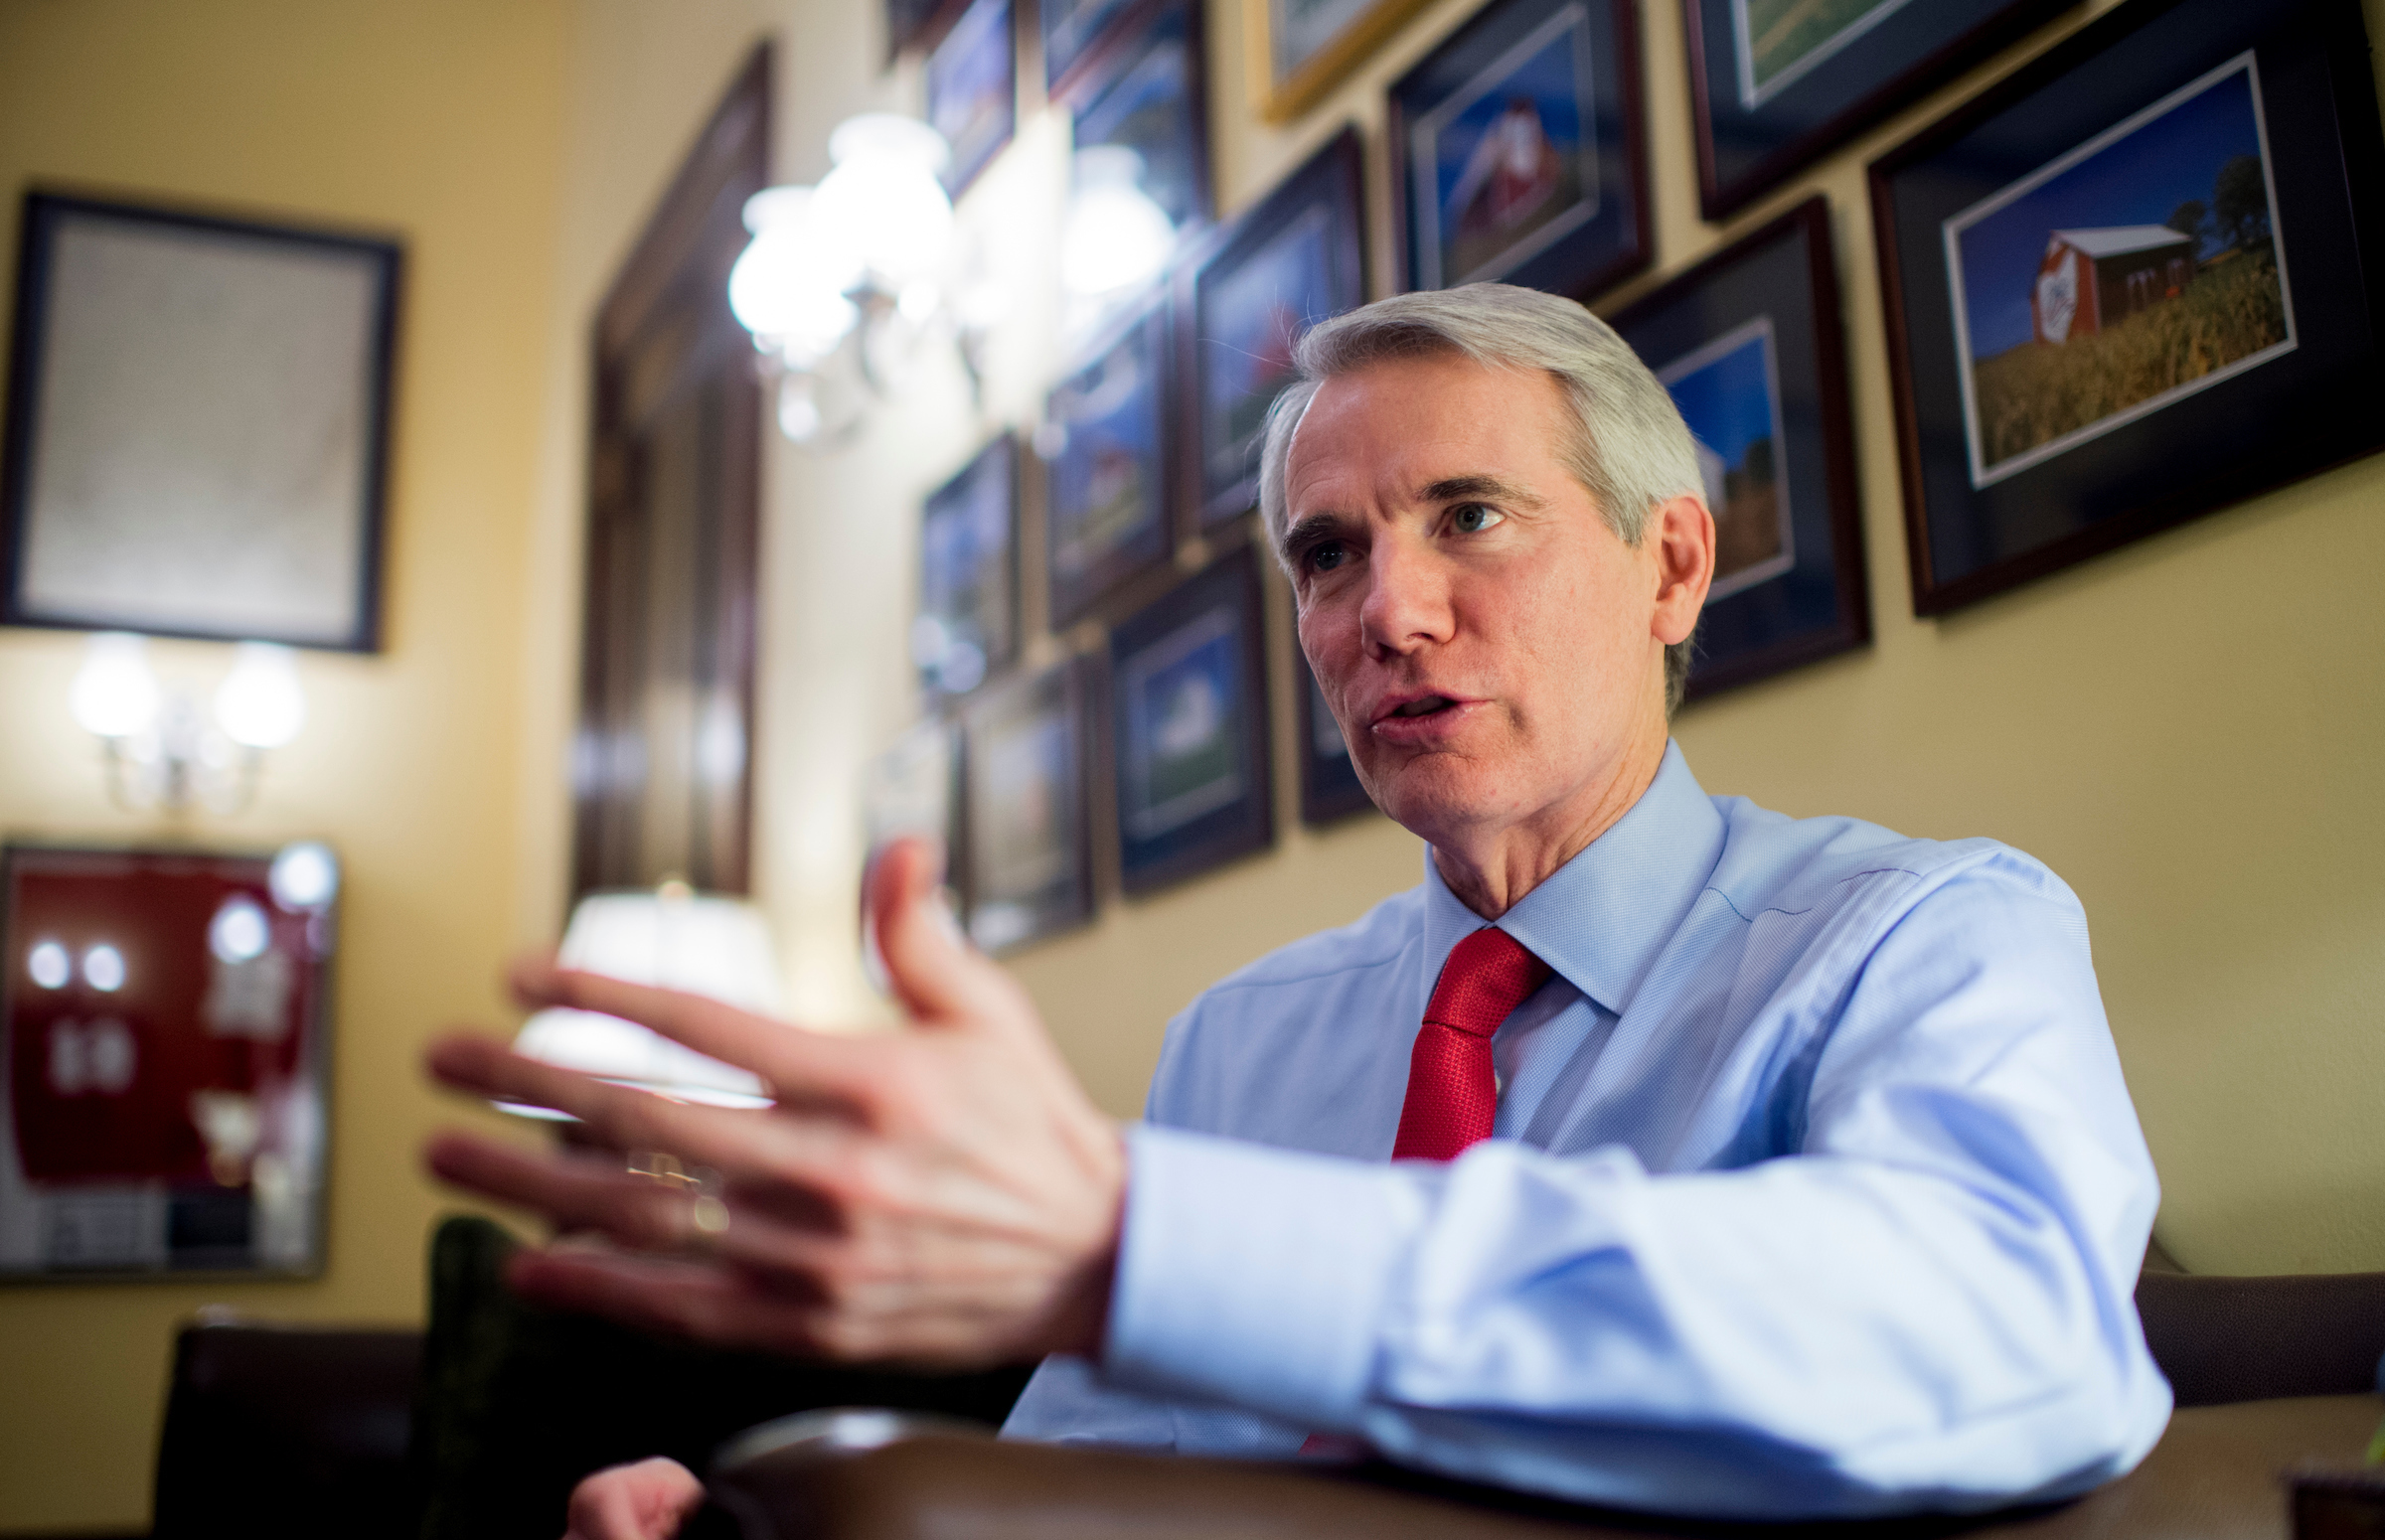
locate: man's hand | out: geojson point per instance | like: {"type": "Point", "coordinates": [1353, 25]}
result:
{"type": "Point", "coordinates": [645, 1502]}
{"type": "Point", "coordinates": [945, 1195]}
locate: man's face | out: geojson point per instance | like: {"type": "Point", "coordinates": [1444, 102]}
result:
{"type": "Point", "coordinates": [1487, 643]}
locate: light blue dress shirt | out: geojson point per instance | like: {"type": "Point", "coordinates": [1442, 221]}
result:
{"type": "Point", "coordinates": [1814, 1190]}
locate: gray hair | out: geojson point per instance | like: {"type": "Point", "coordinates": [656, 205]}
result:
{"type": "Point", "coordinates": [1627, 445]}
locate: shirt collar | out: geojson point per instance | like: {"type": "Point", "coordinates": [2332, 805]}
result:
{"type": "Point", "coordinates": [1601, 919]}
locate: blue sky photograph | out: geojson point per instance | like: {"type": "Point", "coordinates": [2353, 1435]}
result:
{"type": "Point", "coordinates": [1727, 403]}
{"type": "Point", "coordinates": [2136, 180]}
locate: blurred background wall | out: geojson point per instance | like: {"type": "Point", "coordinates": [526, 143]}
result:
{"type": "Point", "coordinates": [441, 122]}
{"type": "Point", "coordinates": [2186, 730]}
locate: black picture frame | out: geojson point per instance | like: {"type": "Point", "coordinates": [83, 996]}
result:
{"type": "Point", "coordinates": [973, 90]}
{"type": "Point", "coordinates": [1108, 442]}
{"type": "Point", "coordinates": [167, 1113]}
{"type": "Point", "coordinates": [1143, 84]}
{"type": "Point", "coordinates": [1757, 125]}
{"type": "Point", "coordinates": [198, 432]}
{"type": "Point", "coordinates": [2146, 96]}
{"type": "Point", "coordinates": [1330, 788]}
{"type": "Point", "coordinates": [1027, 871]}
{"type": "Point", "coordinates": [1296, 258]}
{"type": "Point", "coordinates": [1191, 665]}
{"type": "Point", "coordinates": [1749, 342]}
{"type": "Point", "coordinates": [1580, 222]}
{"type": "Point", "coordinates": [968, 620]}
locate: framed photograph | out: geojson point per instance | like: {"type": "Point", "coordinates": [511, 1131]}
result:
{"type": "Point", "coordinates": [1749, 344]}
{"type": "Point", "coordinates": [1189, 712]}
{"type": "Point", "coordinates": [197, 426]}
{"type": "Point", "coordinates": [1330, 789]}
{"type": "Point", "coordinates": [1776, 85]}
{"type": "Point", "coordinates": [167, 1040]}
{"type": "Point", "coordinates": [1517, 152]}
{"type": "Point", "coordinates": [1074, 31]}
{"type": "Point", "coordinates": [1302, 48]}
{"type": "Point", "coordinates": [2134, 283]}
{"type": "Point", "coordinates": [1296, 258]}
{"type": "Point", "coordinates": [973, 90]}
{"type": "Point", "coordinates": [1143, 89]}
{"type": "Point", "coordinates": [1105, 441]}
{"type": "Point", "coordinates": [1029, 867]}
{"type": "Point", "coordinates": [968, 622]}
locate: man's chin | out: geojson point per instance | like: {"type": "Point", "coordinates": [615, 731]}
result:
{"type": "Point", "coordinates": [1433, 794]}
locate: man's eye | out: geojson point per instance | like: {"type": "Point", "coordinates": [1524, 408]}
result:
{"type": "Point", "coordinates": [1325, 555]}
{"type": "Point", "coordinates": [1474, 518]}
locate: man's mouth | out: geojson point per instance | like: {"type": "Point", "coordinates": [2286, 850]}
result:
{"type": "Point", "coordinates": [1423, 708]}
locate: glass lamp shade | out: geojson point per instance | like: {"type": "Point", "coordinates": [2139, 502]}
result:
{"type": "Point", "coordinates": [675, 940]}
{"type": "Point", "coordinates": [884, 190]}
{"type": "Point", "coordinates": [260, 703]}
{"type": "Point", "coordinates": [114, 695]}
{"type": "Point", "coordinates": [1116, 238]}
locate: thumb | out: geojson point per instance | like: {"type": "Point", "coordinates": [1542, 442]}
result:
{"type": "Point", "coordinates": [936, 974]}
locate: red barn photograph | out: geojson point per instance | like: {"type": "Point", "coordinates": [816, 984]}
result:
{"type": "Point", "coordinates": [2091, 278]}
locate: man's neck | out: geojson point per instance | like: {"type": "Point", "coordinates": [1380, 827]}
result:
{"type": "Point", "coordinates": [1490, 874]}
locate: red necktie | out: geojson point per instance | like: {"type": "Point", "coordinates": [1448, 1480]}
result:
{"type": "Point", "coordinates": [1453, 1095]}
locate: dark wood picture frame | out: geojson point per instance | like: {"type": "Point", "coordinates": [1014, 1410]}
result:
{"type": "Point", "coordinates": [676, 403]}
{"type": "Point", "coordinates": [1078, 459]}
{"type": "Point", "coordinates": [1204, 640]}
{"type": "Point", "coordinates": [981, 47]}
{"type": "Point", "coordinates": [1978, 525]}
{"type": "Point", "coordinates": [1323, 201]}
{"type": "Point", "coordinates": [1769, 301]}
{"type": "Point", "coordinates": [1330, 788]}
{"type": "Point", "coordinates": [141, 558]}
{"type": "Point", "coordinates": [1878, 64]}
{"type": "Point", "coordinates": [1589, 245]}
{"type": "Point", "coordinates": [1101, 91]}
{"type": "Point", "coordinates": [977, 604]}
{"type": "Point", "coordinates": [1079, 38]}
{"type": "Point", "coordinates": [169, 1116]}
{"type": "Point", "coordinates": [918, 24]}
{"type": "Point", "coordinates": [1013, 898]}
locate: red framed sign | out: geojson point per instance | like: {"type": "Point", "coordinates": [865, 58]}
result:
{"type": "Point", "coordinates": [165, 1025]}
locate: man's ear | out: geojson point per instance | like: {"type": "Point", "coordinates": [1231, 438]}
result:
{"type": "Point", "coordinates": [1682, 533]}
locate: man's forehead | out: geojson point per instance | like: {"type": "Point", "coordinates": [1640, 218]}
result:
{"type": "Point", "coordinates": [1425, 430]}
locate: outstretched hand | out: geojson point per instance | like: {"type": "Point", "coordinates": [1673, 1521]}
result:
{"type": "Point", "coordinates": [942, 1195]}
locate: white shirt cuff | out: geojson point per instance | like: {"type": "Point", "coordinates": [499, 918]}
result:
{"type": "Point", "coordinates": [1255, 1276]}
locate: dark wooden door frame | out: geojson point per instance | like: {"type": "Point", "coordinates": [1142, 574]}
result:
{"type": "Point", "coordinates": [669, 302]}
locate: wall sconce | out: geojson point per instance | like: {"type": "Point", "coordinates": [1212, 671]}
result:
{"type": "Point", "coordinates": [162, 751]}
{"type": "Point", "coordinates": [678, 939]}
{"type": "Point", "coordinates": [1115, 239]}
{"type": "Point", "coordinates": [841, 282]}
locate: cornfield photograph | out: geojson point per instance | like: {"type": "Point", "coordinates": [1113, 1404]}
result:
{"type": "Point", "coordinates": [2135, 270]}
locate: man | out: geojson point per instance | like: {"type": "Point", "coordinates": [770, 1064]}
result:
{"type": "Point", "coordinates": [1810, 1184]}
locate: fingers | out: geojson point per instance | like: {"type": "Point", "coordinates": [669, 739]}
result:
{"type": "Point", "coordinates": [781, 1052]}
{"type": "Point", "coordinates": [623, 1118]}
{"type": "Point", "coordinates": [648, 1501]}
{"type": "Point", "coordinates": [689, 1299]}
{"type": "Point", "coordinates": [578, 1194]}
{"type": "Point", "coordinates": [936, 974]}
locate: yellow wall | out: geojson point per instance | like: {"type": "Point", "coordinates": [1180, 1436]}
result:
{"type": "Point", "coordinates": [441, 121]}
{"type": "Point", "coordinates": [2184, 729]}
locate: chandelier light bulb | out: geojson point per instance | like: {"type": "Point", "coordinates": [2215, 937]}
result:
{"type": "Point", "coordinates": [260, 703]}
{"type": "Point", "coordinates": [115, 693]}
{"type": "Point", "coordinates": [1116, 238]}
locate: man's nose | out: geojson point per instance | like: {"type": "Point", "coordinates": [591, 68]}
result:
{"type": "Point", "coordinates": [1407, 603]}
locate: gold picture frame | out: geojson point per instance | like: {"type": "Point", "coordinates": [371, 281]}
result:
{"type": "Point", "coordinates": [1284, 93]}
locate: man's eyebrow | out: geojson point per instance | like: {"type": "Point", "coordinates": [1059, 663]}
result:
{"type": "Point", "coordinates": [1451, 489]}
{"type": "Point", "coordinates": [1311, 527]}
